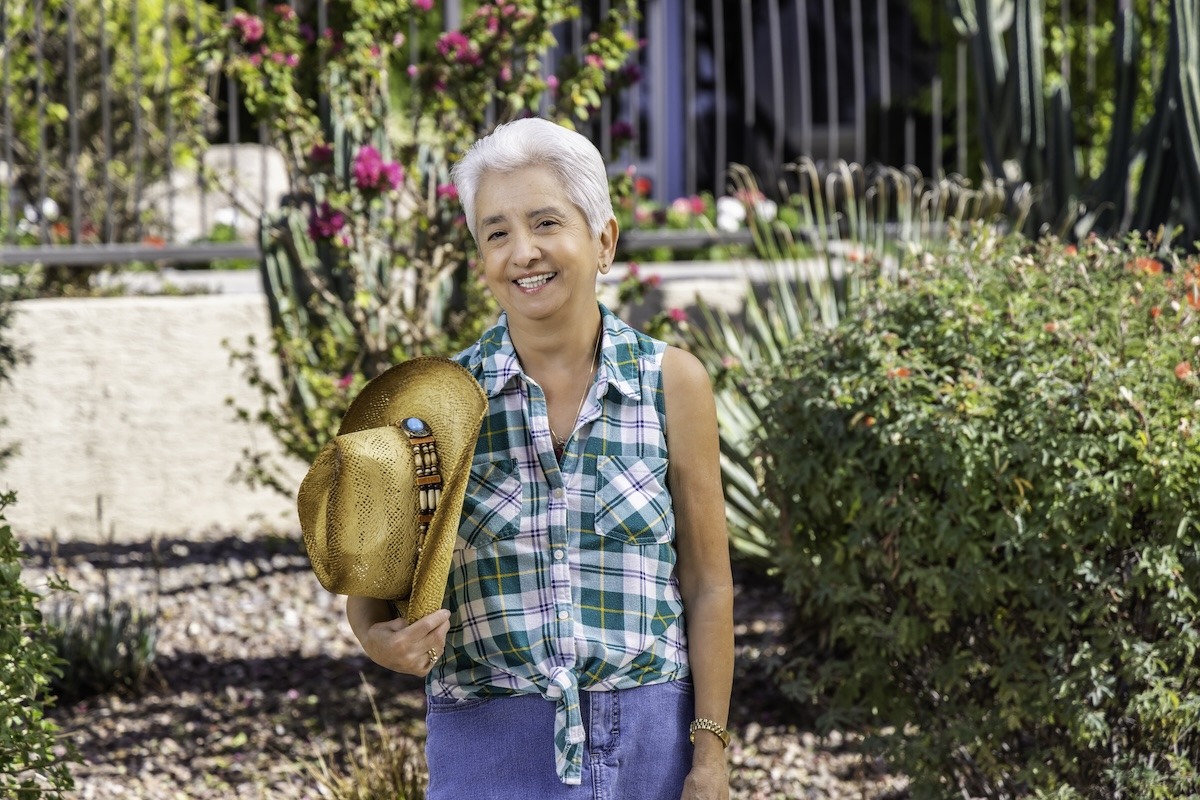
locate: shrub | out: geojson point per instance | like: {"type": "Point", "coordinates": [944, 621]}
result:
{"type": "Point", "coordinates": [32, 760]}
{"type": "Point", "coordinates": [370, 264]}
{"type": "Point", "coordinates": [988, 475]}
{"type": "Point", "coordinates": [103, 649]}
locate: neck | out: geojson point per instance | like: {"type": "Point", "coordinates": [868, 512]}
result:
{"type": "Point", "coordinates": [553, 344]}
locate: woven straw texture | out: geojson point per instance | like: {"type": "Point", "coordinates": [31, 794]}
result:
{"type": "Point", "coordinates": [358, 502]}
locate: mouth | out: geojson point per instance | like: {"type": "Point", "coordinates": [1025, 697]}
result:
{"type": "Point", "coordinates": [532, 282]}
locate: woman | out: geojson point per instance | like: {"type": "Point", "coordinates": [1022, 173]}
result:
{"type": "Point", "coordinates": [588, 627]}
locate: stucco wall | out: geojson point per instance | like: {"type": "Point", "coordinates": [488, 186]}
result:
{"type": "Point", "coordinates": [122, 421]}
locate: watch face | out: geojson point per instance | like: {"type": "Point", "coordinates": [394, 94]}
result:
{"type": "Point", "coordinates": [415, 427]}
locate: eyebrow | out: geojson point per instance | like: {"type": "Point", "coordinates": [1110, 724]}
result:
{"type": "Point", "coordinates": [537, 212]}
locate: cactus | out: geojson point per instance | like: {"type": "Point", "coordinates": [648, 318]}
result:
{"type": "Point", "coordinates": [1027, 126]}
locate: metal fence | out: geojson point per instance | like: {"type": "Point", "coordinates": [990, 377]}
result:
{"type": "Point", "coordinates": [93, 133]}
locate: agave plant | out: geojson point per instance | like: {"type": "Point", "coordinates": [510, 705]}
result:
{"type": "Point", "coordinates": [841, 237]}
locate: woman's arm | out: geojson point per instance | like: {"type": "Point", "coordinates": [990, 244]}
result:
{"type": "Point", "coordinates": [393, 643]}
{"type": "Point", "coordinates": [705, 580]}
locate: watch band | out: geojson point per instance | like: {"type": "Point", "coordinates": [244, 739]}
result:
{"type": "Point", "coordinates": [703, 724]}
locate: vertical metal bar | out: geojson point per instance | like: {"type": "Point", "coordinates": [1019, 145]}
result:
{"type": "Point", "coordinates": [722, 101]}
{"type": "Point", "coordinates": [201, 187]}
{"type": "Point", "coordinates": [910, 122]}
{"type": "Point", "coordinates": [691, 149]}
{"type": "Point", "coordinates": [883, 47]}
{"type": "Point", "coordinates": [935, 100]}
{"type": "Point", "coordinates": [663, 26]}
{"type": "Point", "coordinates": [138, 133]}
{"type": "Point", "coordinates": [860, 81]}
{"type": "Point", "coordinates": [323, 91]}
{"type": "Point", "coordinates": [804, 55]}
{"type": "Point", "coordinates": [606, 109]}
{"type": "Point", "coordinates": [77, 210]}
{"type": "Point", "coordinates": [169, 156]}
{"type": "Point", "coordinates": [748, 98]}
{"type": "Point", "coordinates": [40, 98]}
{"type": "Point", "coordinates": [232, 102]}
{"type": "Point", "coordinates": [777, 95]}
{"type": "Point", "coordinates": [451, 14]}
{"type": "Point", "coordinates": [960, 112]}
{"type": "Point", "coordinates": [106, 124]}
{"type": "Point", "coordinates": [263, 148]}
{"type": "Point", "coordinates": [10, 227]}
{"type": "Point", "coordinates": [831, 81]}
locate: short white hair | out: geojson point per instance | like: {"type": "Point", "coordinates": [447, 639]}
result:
{"type": "Point", "coordinates": [535, 142]}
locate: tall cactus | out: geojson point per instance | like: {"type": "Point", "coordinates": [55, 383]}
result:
{"type": "Point", "coordinates": [1023, 124]}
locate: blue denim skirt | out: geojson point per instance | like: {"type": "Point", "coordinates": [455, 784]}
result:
{"type": "Point", "coordinates": [502, 748]}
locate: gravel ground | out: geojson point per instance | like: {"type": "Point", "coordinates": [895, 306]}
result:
{"type": "Point", "coordinates": [259, 679]}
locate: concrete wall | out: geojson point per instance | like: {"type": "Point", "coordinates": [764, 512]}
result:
{"type": "Point", "coordinates": [122, 419]}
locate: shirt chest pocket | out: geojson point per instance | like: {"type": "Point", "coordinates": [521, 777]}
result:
{"type": "Point", "coordinates": [632, 501]}
{"type": "Point", "coordinates": [492, 505]}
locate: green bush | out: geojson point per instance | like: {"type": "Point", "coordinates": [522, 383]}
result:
{"type": "Point", "coordinates": [988, 474]}
{"type": "Point", "coordinates": [109, 648]}
{"type": "Point", "coordinates": [32, 759]}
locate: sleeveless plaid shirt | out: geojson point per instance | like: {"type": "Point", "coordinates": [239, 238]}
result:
{"type": "Point", "coordinates": [563, 575]}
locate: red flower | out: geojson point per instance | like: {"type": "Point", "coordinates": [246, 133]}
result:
{"type": "Point", "coordinates": [1071, 250]}
{"type": "Point", "coordinates": [1147, 266]}
{"type": "Point", "coordinates": [1183, 370]}
{"type": "Point", "coordinates": [677, 315]}
{"type": "Point", "coordinates": [1155, 312]}
{"type": "Point", "coordinates": [898, 372]}
{"type": "Point", "coordinates": [642, 186]}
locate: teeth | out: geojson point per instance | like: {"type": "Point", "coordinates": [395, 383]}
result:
{"type": "Point", "coordinates": [534, 281]}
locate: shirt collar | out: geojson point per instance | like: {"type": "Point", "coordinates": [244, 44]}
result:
{"type": "Point", "coordinates": [619, 353]}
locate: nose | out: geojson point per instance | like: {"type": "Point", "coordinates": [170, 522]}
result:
{"type": "Point", "coordinates": [525, 250]}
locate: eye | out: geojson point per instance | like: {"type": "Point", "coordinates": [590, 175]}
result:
{"type": "Point", "coordinates": [494, 235]}
{"type": "Point", "coordinates": [547, 223]}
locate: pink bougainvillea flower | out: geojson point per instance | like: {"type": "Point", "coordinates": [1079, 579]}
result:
{"type": "Point", "coordinates": [697, 204]}
{"type": "Point", "coordinates": [285, 11]}
{"type": "Point", "coordinates": [256, 60]}
{"type": "Point", "coordinates": [447, 191]}
{"type": "Point", "coordinates": [250, 28]}
{"type": "Point", "coordinates": [293, 60]}
{"type": "Point", "coordinates": [633, 270]}
{"type": "Point", "coordinates": [423, 5]}
{"type": "Point", "coordinates": [368, 167]}
{"type": "Point", "coordinates": [552, 82]}
{"type": "Point", "coordinates": [325, 222]}
{"type": "Point", "coordinates": [394, 174]}
{"type": "Point", "coordinates": [308, 33]}
{"type": "Point", "coordinates": [1183, 370]}
{"type": "Point", "coordinates": [622, 130]}
{"type": "Point", "coordinates": [653, 281]}
{"type": "Point", "coordinates": [345, 381]}
{"type": "Point", "coordinates": [594, 61]}
{"type": "Point", "coordinates": [677, 315]}
{"type": "Point", "coordinates": [413, 70]}
{"type": "Point", "coordinates": [320, 153]}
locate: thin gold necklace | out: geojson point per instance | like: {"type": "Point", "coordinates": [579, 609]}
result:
{"type": "Point", "coordinates": [560, 443]}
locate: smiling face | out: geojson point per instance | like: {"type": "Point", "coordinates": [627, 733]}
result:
{"type": "Point", "coordinates": [539, 257]}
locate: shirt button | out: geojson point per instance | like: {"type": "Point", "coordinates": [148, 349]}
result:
{"type": "Point", "coordinates": [558, 554]}
{"type": "Point", "coordinates": [558, 493]}
{"type": "Point", "coordinates": [563, 615]}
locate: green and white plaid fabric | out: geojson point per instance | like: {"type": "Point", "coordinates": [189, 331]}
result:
{"type": "Point", "coordinates": [563, 575]}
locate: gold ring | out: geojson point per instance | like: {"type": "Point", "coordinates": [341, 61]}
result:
{"type": "Point", "coordinates": [433, 655]}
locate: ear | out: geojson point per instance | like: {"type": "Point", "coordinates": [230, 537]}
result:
{"type": "Point", "coordinates": [608, 241]}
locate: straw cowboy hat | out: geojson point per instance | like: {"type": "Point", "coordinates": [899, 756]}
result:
{"type": "Point", "coordinates": [380, 505]}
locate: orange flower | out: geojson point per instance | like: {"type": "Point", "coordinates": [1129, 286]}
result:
{"type": "Point", "coordinates": [1071, 250]}
{"type": "Point", "coordinates": [1183, 370]}
{"type": "Point", "coordinates": [898, 372]}
{"type": "Point", "coordinates": [1147, 266]}
{"type": "Point", "coordinates": [1050, 327]}
{"type": "Point", "coordinates": [869, 422]}
{"type": "Point", "coordinates": [154, 241]}
{"type": "Point", "coordinates": [1155, 312]}
{"type": "Point", "coordinates": [1193, 297]}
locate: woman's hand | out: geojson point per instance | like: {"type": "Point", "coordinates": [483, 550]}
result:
{"type": "Point", "coordinates": [707, 782]}
{"type": "Point", "coordinates": [409, 649]}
